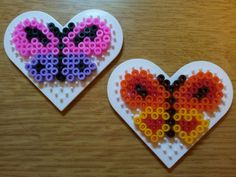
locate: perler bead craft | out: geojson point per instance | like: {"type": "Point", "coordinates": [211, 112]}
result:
{"type": "Point", "coordinates": [170, 114]}
{"type": "Point", "coordinates": [62, 60]}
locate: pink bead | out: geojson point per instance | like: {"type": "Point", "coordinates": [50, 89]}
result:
{"type": "Point", "coordinates": [19, 27]}
{"type": "Point", "coordinates": [97, 51]}
{"type": "Point", "coordinates": [70, 45]}
{"type": "Point", "coordinates": [27, 22]}
{"type": "Point", "coordinates": [66, 51]}
{"type": "Point", "coordinates": [24, 41]}
{"type": "Point", "coordinates": [82, 25]}
{"type": "Point", "coordinates": [96, 21]}
{"type": "Point", "coordinates": [50, 35]}
{"type": "Point", "coordinates": [34, 51]}
{"type": "Point", "coordinates": [76, 30]}
{"type": "Point", "coordinates": [87, 40]}
{"type": "Point", "coordinates": [50, 46]}
{"type": "Point", "coordinates": [103, 45]}
{"type": "Point", "coordinates": [65, 40]}
{"type": "Point", "coordinates": [39, 45]}
{"type": "Point", "coordinates": [99, 33]}
{"type": "Point", "coordinates": [89, 21]}
{"type": "Point", "coordinates": [45, 30]}
{"type": "Point", "coordinates": [22, 35]}
{"type": "Point", "coordinates": [34, 23]}
{"type": "Point", "coordinates": [24, 53]}
{"type": "Point", "coordinates": [55, 41]}
{"type": "Point", "coordinates": [71, 35]}
{"type": "Point", "coordinates": [92, 45]}
{"type": "Point", "coordinates": [107, 38]}
{"type": "Point", "coordinates": [15, 40]}
{"type": "Point", "coordinates": [102, 24]}
{"type": "Point", "coordinates": [81, 46]}
{"type": "Point", "coordinates": [97, 40]}
{"type": "Point", "coordinates": [55, 51]}
{"type": "Point", "coordinates": [76, 50]}
{"type": "Point", "coordinates": [44, 50]}
{"type": "Point", "coordinates": [40, 26]}
{"type": "Point", "coordinates": [87, 51]}
{"type": "Point", "coordinates": [34, 40]}
{"type": "Point", "coordinates": [106, 30]}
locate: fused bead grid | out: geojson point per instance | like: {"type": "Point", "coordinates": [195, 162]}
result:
{"type": "Point", "coordinates": [171, 110]}
{"type": "Point", "coordinates": [62, 55]}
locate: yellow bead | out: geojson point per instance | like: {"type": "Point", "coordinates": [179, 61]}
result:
{"type": "Point", "coordinates": [193, 111]}
{"type": "Point", "coordinates": [154, 115]}
{"type": "Point", "coordinates": [200, 129]}
{"type": "Point", "coordinates": [143, 115]}
{"type": "Point", "coordinates": [137, 120]}
{"type": "Point", "coordinates": [142, 126]}
{"type": "Point", "coordinates": [182, 134]}
{"type": "Point", "coordinates": [165, 127]}
{"type": "Point", "coordinates": [177, 117]}
{"type": "Point", "coordinates": [160, 110]}
{"type": "Point", "coordinates": [188, 140]}
{"type": "Point", "coordinates": [148, 110]}
{"type": "Point", "coordinates": [160, 133]}
{"type": "Point", "coordinates": [154, 138]}
{"type": "Point", "coordinates": [206, 123]}
{"type": "Point", "coordinates": [165, 116]}
{"type": "Point", "coordinates": [176, 128]}
{"type": "Point", "coordinates": [183, 111]}
{"type": "Point", "coordinates": [148, 132]}
{"type": "Point", "coordinates": [188, 117]}
{"type": "Point", "coordinates": [194, 134]}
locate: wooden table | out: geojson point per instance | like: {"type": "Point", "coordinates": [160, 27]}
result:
{"type": "Point", "coordinates": [89, 138]}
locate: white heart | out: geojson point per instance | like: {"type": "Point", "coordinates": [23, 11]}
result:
{"type": "Point", "coordinates": [168, 152]}
{"type": "Point", "coordinates": [62, 95]}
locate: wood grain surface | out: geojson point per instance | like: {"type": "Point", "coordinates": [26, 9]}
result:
{"type": "Point", "coordinates": [89, 138]}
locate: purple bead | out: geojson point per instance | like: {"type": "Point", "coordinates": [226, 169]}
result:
{"type": "Point", "coordinates": [28, 66]}
{"type": "Point", "coordinates": [70, 77]}
{"type": "Point", "coordinates": [92, 66]}
{"type": "Point", "coordinates": [33, 72]}
{"type": "Point", "coordinates": [49, 56]}
{"type": "Point", "coordinates": [87, 61]}
{"type": "Point", "coordinates": [49, 77]}
{"type": "Point", "coordinates": [38, 78]}
{"type": "Point", "coordinates": [81, 76]}
{"type": "Point", "coordinates": [65, 71]}
{"type": "Point", "coordinates": [70, 55]}
{"type": "Point", "coordinates": [43, 72]}
{"type": "Point", "coordinates": [43, 61]}
{"type": "Point", "coordinates": [34, 61]}
{"type": "Point", "coordinates": [70, 66]}
{"type": "Point", "coordinates": [87, 71]}
{"type": "Point", "coordinates": [76, 61]}
{"type": "Point", "coordinates": [38, 56]}
{"type": "Point", "coordinates": [82, 56]}
{"type": "Point", "coordinates": [54, 61]}
{"type": "Point", "coordinates": [54, 71]}
{"type": "Point", "coordinates": [49, 66]}
{"type": "Point", "coordinates": [75, 71]}
{"type": "Point", "coordinates": [65, 61]}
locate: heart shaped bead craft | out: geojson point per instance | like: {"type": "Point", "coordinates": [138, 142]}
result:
{"type": "Point", "coordinates": [62, 60]}
{"type": "Point", "coordinates": [170, 114]}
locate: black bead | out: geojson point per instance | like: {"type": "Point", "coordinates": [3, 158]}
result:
{"type": "Point", "coordinates": [171, 100]}
{"type": "Point", "coordinates": [144, 93]}
{"type": "Point", "coordinates": [56, 30]}
{"type": "Point", "coordinates": [87, 30]}
{"type": "Point", "coordinates": [92, 35]}
{"type": "Point", "coordinates": [171, 88]}
{"type": "Point", "coordinates": [138, 88]}
{"type": "Point", "coordinates": [171, 111]}
{"type": "Point", "coordinates": [176, 84]}
{"type": "Point", "coordinates": [34, 32]}
{"type": "Point", "coordinates": [71, 25]}
{"type": "Point", "coordinates": [81, 66]}
{"type": "Point", "coordinates": [65, 31]}
{"type": "Point", "coordinates": [81, 35]}
{"type": "Point", "coordinates": [161, 78]}
{"type": "Point", "coordinates": [38, 67]}
{"type": "Point", "coordinates": [27, 29]}
{"type": "Point", "coordinates": [170, 121]}
{"type": "Point", "coordinates": [61, 46]}
{"type": "Point", "coordinates": [60, 77]}
{"type": "Point", "coordinates": [77, 40]}
{"type": "Point", "coordinates": [182, 79]}
{"type": "Point", "coordinates": [44, 41]}
{"type": "Point", "coordinates": [51, 25]}
{"type": "Point", "coordinates": [170, 133]}
{"type": "Point", "coordinates": [198, 96]}
{"type": "Point", "coordinates": [205, 90]}
{"type": "Point", "coordinates": [94, 28]}
{"type": "Point", "coordinates": [166, 83]}
{"type": "Point", "coordinates": [59, 36]}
